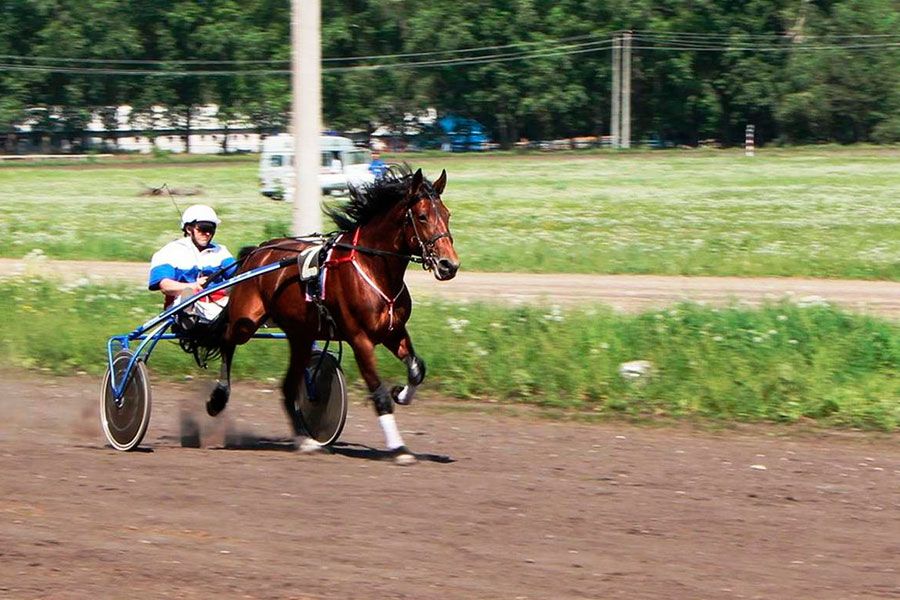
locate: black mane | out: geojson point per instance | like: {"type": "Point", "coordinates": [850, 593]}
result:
{"type": "Point", "coordinates": [373, 199]}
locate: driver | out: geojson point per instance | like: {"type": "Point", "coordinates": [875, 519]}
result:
{"type": "Point", "coordinates": [181, 268]}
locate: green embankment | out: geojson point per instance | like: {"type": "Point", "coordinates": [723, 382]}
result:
{"type": "Point", "coordinates": [780, 363]}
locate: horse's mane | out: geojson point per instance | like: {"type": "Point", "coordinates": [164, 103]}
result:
{"type": "Point", "coordinates": [372, 199]}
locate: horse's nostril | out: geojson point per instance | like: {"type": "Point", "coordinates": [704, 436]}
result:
{"type": "Point", "coordinates": [446, 269]}
{"type": "Point", "coordinates": [448, 265]}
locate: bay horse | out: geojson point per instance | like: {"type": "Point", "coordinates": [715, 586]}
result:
{"type": "Point", "coordinates": [384, 225]}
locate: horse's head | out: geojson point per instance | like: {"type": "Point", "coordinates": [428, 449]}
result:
{"type": "Point", "coordinates": [427, 226]}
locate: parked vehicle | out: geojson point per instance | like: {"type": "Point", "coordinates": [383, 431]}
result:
{"type": "Point", "coordinates": [464, 135]}
{"type": "Point", "coordinates": [342, 164]}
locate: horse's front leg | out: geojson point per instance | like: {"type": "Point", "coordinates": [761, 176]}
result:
{"type": "Point", "coordinates": [364, 351]}
{"type": "Point", "coordinates": [401, 345]}
{"type": "Point", "coordinates": [238, 331]}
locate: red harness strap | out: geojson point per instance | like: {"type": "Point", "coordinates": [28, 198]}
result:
{"type": "Point", "coordinates": [336, 261]}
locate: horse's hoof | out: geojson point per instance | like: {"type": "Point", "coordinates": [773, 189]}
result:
{"type": "Point", "coordinates": [307, 445]}
{"type": "Point", "coordinates": [399, 397]}
{"type": "Point", "coordinates": [403, 457]}
{"type": "Point", "coordinates": [217, 401]}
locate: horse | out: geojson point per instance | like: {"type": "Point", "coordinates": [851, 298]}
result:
{"type": "Point", "coordinates": [382, 228]}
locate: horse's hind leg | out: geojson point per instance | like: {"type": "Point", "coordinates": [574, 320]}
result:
{"type": "Point", "coordinates": [401, 345]}
{"type": "Point", "coordinates": [293, 379]}
{"type": "Point", "coordinates": [218, 398]}
{"type": "Point", "coordinates": [363, 350]}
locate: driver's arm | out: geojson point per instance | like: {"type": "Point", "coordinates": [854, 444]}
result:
{"type": "Point", "coordinates": [170, 287]}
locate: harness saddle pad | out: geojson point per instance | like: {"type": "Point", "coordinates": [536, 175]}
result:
{"type": "Point", "coordinates": [310, 263]}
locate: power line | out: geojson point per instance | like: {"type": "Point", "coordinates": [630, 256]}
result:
{"type": "Point", "coordinates": [647, 32]}
{"type": "Point", "coordinates": [464, 50]}
{"type": "Point", "coordinates": [793, 47]}
{"type": "Point", "coordinates": [672, 37]}
{"type": "Point", "coordinates": [559, 51]}
{"type": "Point", "coordinates": [652, 42]}
{"type": "Point", "coordinates": [128, 61]}
{"type": "Point", "coordinates": [715, 42]}
{"type": "Point", "coordinates": [564, 50]}
{"type": "Point", "coordinates": [378, 57]}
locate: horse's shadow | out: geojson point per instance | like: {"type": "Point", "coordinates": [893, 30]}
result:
{"type": "Point", "coordinates": [367, 452]}
{"type": "Point", "coordinates": [191, 436]}
{"type": "Point", "coordinates": [250, 441]}
{"type": "Point", "coordinates": [253, 442]}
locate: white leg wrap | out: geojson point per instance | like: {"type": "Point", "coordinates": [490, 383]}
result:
{"type": "Point", "coordinates": [406, 394]}
{"type": "Point", "coordinates": [391, 433]}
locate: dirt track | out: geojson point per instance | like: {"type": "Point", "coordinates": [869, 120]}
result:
{"type": "Point", "coordinates": [498, 507]}
{"type": "Point", "coordinates": [623, 292]}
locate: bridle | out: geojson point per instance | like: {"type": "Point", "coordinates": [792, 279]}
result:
{"type": "Point", "coordinates": [429, 256]}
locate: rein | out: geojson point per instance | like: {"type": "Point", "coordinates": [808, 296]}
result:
{"type": "Point", "coordinates": [376, 252]}
{"type": "Point", "coordinates": [428, 257]}
{"type": "Point", "coordinates": [328, 244]}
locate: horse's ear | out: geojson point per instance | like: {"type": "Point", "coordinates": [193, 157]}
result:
{"type": "Point", "coordinates": [440, 183]}
{"type": "Point", "coordinates": [415, 185]}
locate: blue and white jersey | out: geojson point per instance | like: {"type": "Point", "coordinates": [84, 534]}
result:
{"type": "Point", "coordinates": [181, 261]}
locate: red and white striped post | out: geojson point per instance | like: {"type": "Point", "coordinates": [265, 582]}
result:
{"type": "Point", "coordinates": [749, 140]}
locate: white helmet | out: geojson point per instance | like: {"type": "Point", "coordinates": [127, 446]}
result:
{"type": "Point", "coordinates": [199, 212]}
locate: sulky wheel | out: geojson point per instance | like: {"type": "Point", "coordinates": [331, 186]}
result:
{"type": "Point", "coordinates": [321, 406]}
{"type": "Point", "coordinates": [126, 425]}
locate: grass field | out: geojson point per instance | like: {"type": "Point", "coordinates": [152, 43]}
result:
{"type": "Point", "coordinates": [781, 363]}
{"type": "Point", "coordinates": [819, 212]}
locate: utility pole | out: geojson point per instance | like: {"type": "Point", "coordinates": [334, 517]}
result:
{"type": "Point", "coordinates": [616, 117]}
{"type": "Point", "coordinates": [626, 92]}
{"type": "Point", "coordinates": [620, 120]}
{"type": "Point", "coordinates": [306, 88]}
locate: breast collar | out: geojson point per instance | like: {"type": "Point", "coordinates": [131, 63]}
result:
{"type": "Point", "coordinates": [351, 258]}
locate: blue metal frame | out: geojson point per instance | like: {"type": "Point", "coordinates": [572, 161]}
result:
{"type": "Point", "coordinates": [150, 333]}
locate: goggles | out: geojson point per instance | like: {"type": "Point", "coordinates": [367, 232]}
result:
{"type": "Point", "coordinates": [205, 227]}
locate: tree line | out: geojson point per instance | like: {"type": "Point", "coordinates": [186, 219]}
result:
{"type": "Point", "coordinates": [800, 71]}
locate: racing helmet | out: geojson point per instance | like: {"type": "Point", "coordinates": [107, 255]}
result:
{"type": "Point", "coordinates": [198, 212]}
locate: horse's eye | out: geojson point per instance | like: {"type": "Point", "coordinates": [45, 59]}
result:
{"type": "Point", "coordinates": [422, 218]}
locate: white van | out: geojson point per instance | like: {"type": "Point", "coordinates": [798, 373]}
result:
{"type": "Point", "coordinates": [342, 164]}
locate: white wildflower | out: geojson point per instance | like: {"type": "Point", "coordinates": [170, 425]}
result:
{"type": "Point", "coordinates": [555, 314]}
{"type": "Point", "coordinates": [478, 350]}
{"type": "Point", "coordinates": [457, 325]}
